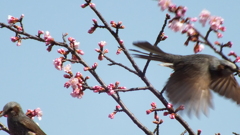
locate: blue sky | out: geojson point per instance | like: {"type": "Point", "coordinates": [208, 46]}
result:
{"type": "Point", "coordinates": [29, 77]}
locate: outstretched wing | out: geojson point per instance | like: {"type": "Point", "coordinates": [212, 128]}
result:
{"type": "Point", "coordinates": [189, 86]}
{"type": "Point", "coordinates": [226, 86]}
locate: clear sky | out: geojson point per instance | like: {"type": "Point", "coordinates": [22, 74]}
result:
{"type": "Point", "coordinates": [29, 77]}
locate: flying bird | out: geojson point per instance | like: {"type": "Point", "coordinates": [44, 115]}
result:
{"type": "Point", "coordinates": [18, 122]}
{"type": "Point", "coordinates": [193, 78]}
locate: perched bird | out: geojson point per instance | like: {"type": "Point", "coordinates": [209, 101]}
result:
{"type": "Point", "coordinates": [193, 77]}
{"type": "Point", "coordinates": [18, 122]}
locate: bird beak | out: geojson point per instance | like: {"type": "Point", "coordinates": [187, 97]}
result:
{"type": "Point", "coordinates": [1, 113]}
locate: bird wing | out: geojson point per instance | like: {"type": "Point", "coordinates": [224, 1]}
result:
{"type": "Point", "coordinates": [189, 86]}
{"type": "Point", "coordinates": [226, 86]}
{"type": "Point", "coordinates": [31, 125]}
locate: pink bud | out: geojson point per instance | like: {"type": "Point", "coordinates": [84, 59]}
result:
{"type": "Point", "coordinates": [111, 116]}
{"type": "Point", "coordinates": [66, 76]}
{"type": "Point", "coordinates": [165, 113]}
{"type": "Point", "coordinates": [97, 50]}
{"type": "Point", "coordinates": [102, 44]}
{"type": "Point", "coordinates": [100, 57]}
{"type": "Point", "coordinates": [14, 39]}
{"type": "Point", "coordinates": [148, 111]}
{"type": "Point", "coordinates": [169, 105]}
{"type": "Point", "coordinates": [219, 35]}
{"type": "Point", "coordinates": [154, 105]}
{"type": "Point", "coordinates": [78, 74]}
{"type": "Point", "coordinates": [40, 32]}
{"type": "Point", "coordinates": [112, 22]}
{"type": "Point", "coordinates": [94, 20]}
{"type": "Point", "coordinates": [92, 5]}
{"type": "Point", "coordinates": [84, 5]}
{"type": "Point", "coordinates": [172, 116]}
{"type": "Point", "coordinates": [118, 107]}
{"type": "Point", "coordinates": [80, 52]}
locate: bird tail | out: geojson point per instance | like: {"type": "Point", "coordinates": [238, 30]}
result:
{"type": "Point", "coordinates": [158, 54]}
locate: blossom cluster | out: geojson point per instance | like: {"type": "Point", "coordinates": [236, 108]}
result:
{"type": "Point", "coordinates": [179, 24]}
{"type": "Point", "coordinates": [36, 112]}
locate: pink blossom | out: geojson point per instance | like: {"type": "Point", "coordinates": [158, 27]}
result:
{"type": "Point", "coordinates": [58, 63]}
{"type": "Point", "coordinates": [76, 44]}
{"type": "Point", "coordinates": [48, 38]}
{"type": "Point", "coordinates": [67, 68]}
{"type": "Point", "coordinates": [164, 4]}
{"type": "Point", "coordinates": [77, 93]}
{"type": "Point", "coordinates": [38, 113]}
{"type": "Point", "coordinates": [181, 12]}
{"type": "Point", "coordinates": [73, 82]}
{"type": "Point", "coordinates": [61, 51]}
{"type": "Point", "coordinates": [12, 20]}
{"type": "Point", "coordinates": [189, 29]}
{"type": "Point", "coordinates": [204, 16]}
{"type": "Point", "coordinates": [102, 44]}
{"type": "Point", "coordinates": [176, 25]}
{"type": "Point", "coordinates": [198, 48]}
{"type": "Point", "coordinates": [194, 19]}
{"type": "Point", "coordinates": [216, 22]}
{"type": "Point", "coordinates": [111, 116]}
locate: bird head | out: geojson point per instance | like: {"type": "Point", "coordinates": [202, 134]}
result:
{"type": "Point", "coordinates": [11, 109]}
{"type": "Point", "coordinates": [227, 67]}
